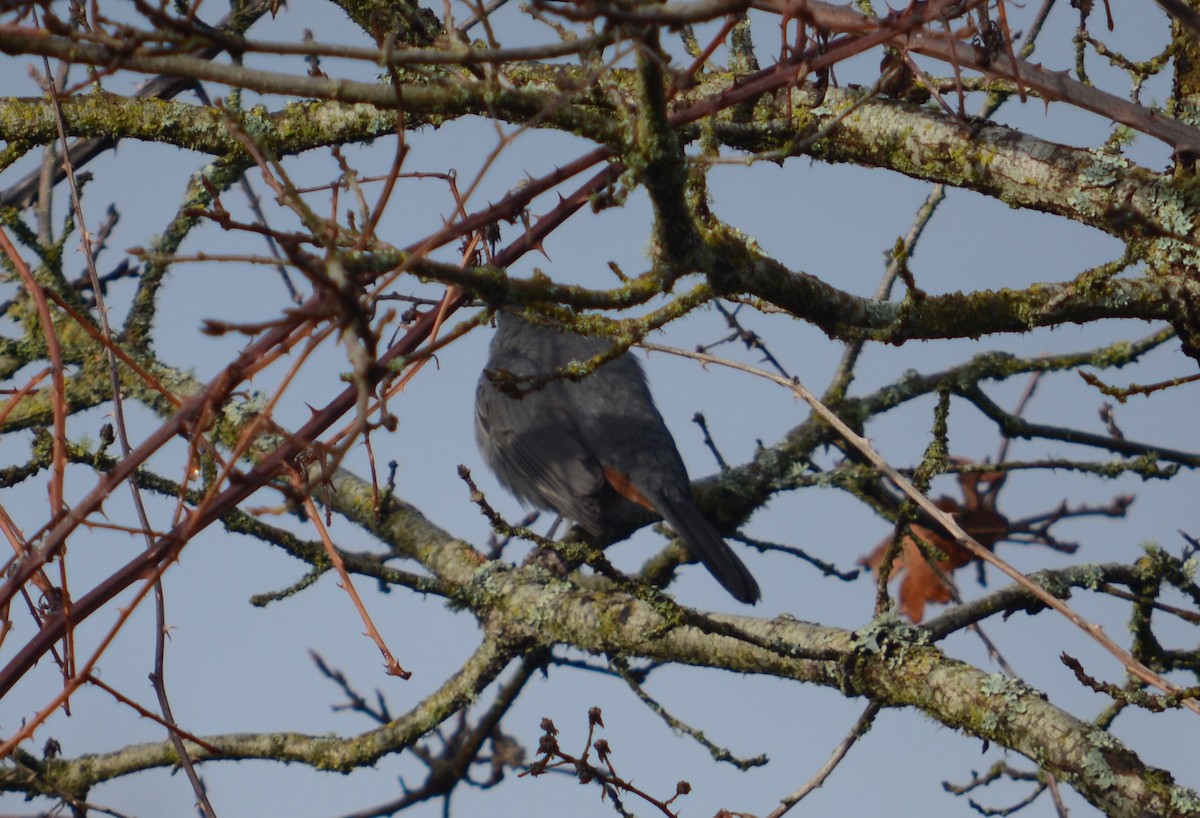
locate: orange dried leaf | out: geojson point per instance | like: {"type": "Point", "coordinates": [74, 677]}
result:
{"type": "Point", "coordinates": [920, 582]}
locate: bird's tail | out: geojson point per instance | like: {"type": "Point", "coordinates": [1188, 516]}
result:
{"type": "Point", "coordinates": [711, 549]}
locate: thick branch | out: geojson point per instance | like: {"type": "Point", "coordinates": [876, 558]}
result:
{"type": "Point", "coordinates": [876, 662]}
{"type": "Point", "coordinates": [77, 776]}
{"type": "Point", "coordinates": [1101, 190]}
{"type": "Point", "coordinates": [298, 127]}
{"type": "Point", "coordinates": [743, 269]}
{"type": "Point", "coordinates": [445, 100]}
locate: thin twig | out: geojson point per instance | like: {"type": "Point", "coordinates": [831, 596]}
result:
{"type": "Point", "coordinates": [393, 667]}
{"type": "Point", "coordinates": [857, 731]}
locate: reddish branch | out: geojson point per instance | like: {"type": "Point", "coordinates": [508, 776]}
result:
{"type": "Point", "coordinates": [167, 547]}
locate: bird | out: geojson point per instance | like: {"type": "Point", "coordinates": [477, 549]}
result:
{"type": "Point", "coordinates": [594, 451]}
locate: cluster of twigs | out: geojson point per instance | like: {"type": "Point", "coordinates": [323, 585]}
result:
{"type": "Point", "coordinates": [342, 276]}
{"type": "Point", "coordinates": [553, 757]}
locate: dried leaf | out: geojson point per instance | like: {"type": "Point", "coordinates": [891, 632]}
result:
{"type": "Point", "coordinates": [921, 582]}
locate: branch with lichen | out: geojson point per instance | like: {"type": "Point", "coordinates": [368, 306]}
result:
{"type": "Point", "coordinates": [75, 777]}
{"type": "Point", "coordinates": [890, 663]}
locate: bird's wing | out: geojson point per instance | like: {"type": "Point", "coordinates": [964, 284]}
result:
{"type": "Point", "coordinates": [545, 461]}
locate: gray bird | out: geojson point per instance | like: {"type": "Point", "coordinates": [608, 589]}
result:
{"type": "Point", "coordinates": [595, 451]}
